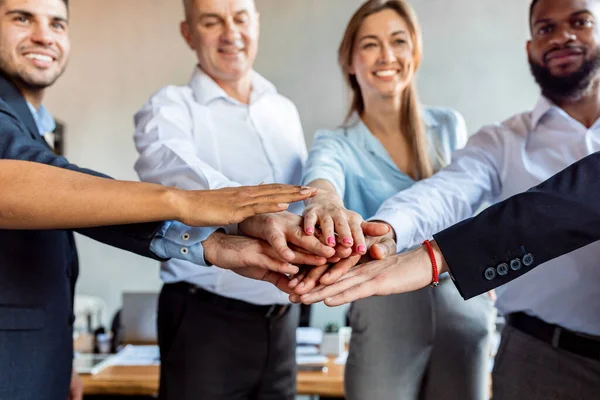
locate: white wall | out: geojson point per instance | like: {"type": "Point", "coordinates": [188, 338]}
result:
{"type": "Point", "coordinates": [124, 50]}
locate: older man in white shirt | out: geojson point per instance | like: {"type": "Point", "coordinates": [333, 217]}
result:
{"type": "Point", "coordinates": [550, 347]}
{"type": "Point", "coordinates": [223, 336]}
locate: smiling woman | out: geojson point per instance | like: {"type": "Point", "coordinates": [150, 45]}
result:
{"type": "Point", "coordinates": [387, 143]}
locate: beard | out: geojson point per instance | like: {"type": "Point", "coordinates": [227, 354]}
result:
{"type": "Point", "coordinates": [571, 86]}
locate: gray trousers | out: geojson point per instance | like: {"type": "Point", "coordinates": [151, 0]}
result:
{"type": "Point", "coordinates": [429, 344]}
{"type": "Point", "coordinates": [211, 353]}
{"type": "Point", "coordinates": [528, 368]}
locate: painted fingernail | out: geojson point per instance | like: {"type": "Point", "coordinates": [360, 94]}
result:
{"type": "Point", "coordinates": [361, 248]}
{"type": "Point", "coordinates": [348, 240]}
{"type": "Point", "coordinates": [309, 231]}
{"type": "Point", "coordinates": [331, 240]}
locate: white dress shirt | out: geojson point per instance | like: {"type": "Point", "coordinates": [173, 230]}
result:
{"type": "Point", "coordinates": [198, 137]}
{"type": "Point", "coordinates": [499, 161]}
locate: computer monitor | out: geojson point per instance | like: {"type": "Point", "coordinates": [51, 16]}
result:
{"type": "Point", "coordinates": [138, 317]}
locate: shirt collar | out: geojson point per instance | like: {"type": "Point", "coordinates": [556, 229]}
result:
{"type": "Point", "coordinates": [43, 119]}
{"type": "Point", "coordinates": [206, 90]}
{"type": "Point", "coordinates": [542, 107]}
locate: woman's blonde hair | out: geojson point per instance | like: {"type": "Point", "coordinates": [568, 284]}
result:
{"type": "Point", "coordinates": [411, 122]}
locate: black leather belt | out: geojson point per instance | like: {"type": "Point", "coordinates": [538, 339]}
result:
{"type": "Point", "coordinates": [267, 311]}
{"type": "Point", "coordinates": [556, 336]}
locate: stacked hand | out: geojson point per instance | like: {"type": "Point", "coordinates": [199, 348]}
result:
{"type": "Point", "coordinates": [330, 254]}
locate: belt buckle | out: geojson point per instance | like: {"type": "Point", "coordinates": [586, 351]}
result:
{"type": "Point", "coordinates": [556, 337]}
{"type": "Point", "coordinates": [276, 310]}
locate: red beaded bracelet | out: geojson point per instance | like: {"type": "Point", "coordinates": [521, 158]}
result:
{"type": "Point", "coordinates": [436, 279]}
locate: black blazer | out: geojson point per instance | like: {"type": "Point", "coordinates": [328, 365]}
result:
{"type": "Point", "coordinates": [556, 217]}
{"type": "Point", "coordinates": [38, 270]}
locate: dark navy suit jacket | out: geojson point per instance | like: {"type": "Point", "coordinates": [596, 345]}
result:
{"type": "Point", "coordinates": [556, 217]}
{"type": "Point", "coordinates": [38, 270]}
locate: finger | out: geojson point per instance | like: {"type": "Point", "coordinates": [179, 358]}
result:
{"type": "Point", "coordinates": [339, 269]}
{"type": "Point", "coordinates": [327, 230]}
{"type": "Point", "coordinates": [272, 189]}
{"type": "Point", "coordinates": [286, 197]}
{"type": "Point", "coordinates": [375, 228]}
{"type": "Point", "coordinates": [275, 278]}
{"type": "Point", "coordinates": [263, 261]}
{"type": "Point", "coordinates": [279, 244]}
{"type": "Point", "coordinates": [296, 279]}
{"type": "Point", "coordinates": [360, 245]}
{"type": "Point", "coordinates": [310, 244]}
{"type": "Point", "coordinates": [279, 280]}
{"type": "Point", "coordinates": [295, 298]}
{"type": "Point", "coordinates": [360, 291]}
{"type": "Point", "coordinates": [332, 290]}
{"type": "Point", "coordinates": [343, 252]}
{"type": "Point", "coordinates": [311, 279]}
{"type": "Point", "coordinates": [302, 258]}
{"type": "Point", "coordinates": [343, 230]}
{"type": "Point", "coordinates": [309, 222]}
{"type": "Point", "coordinates": [385, 248]}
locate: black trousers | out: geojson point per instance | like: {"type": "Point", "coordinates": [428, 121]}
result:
{"type": "Point", "coordinates": [215, 348]}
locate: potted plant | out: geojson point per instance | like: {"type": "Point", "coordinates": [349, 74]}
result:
{"type": "Point", "coordinates": [333, 342]}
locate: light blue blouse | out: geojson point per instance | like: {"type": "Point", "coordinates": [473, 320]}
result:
{"type": "Point", "coordinates": [360, 168]}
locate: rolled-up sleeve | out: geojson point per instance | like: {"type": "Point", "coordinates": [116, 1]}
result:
{"type": "Point", "coordinates": [449, 196]}
{"type": "Point", "coordinates": [325, 161]}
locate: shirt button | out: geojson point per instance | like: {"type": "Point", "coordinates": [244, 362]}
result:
{"type": "Point", "coordinates": [184, 250]}
{"type": "Point", "coordinates": [528, 259]}
{"type": "Point", "coordinates": [502, 269]}
{"type": "Point", "coordinates": [490, 273]}
{"type": "Point", "coordinates": [515, 264]}
{"type": "Point", "coordinates": [185, 236]}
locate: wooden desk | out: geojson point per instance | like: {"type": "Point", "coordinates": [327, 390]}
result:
{"type": "Point", "coordinates": [143, 381]}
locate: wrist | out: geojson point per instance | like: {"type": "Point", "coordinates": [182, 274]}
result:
{"type": "Point", "coordinates": [251, 226]}
{"type": "Point", "coordinates": [325, 197]}
{"type": "Point", "coordinates": [211, 247]}
{"type": "Point", "coordinates": [431, 263]}
{"type": "Point", "coordinates": [439, 258]}
{"type": "Point", "coordinates": [176, 202]}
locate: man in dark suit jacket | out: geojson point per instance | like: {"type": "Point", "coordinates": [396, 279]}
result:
{"type": "Point", "coordinates": [39, 268]}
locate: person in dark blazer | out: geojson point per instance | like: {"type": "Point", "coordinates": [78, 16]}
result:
{"type": "Point", "coordinates": [39, 268]}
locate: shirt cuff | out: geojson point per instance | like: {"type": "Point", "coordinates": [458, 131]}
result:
{"type": "Point", "coordinates": [177, 240]}
{"type": "Point", "coordinates": [402, 225]}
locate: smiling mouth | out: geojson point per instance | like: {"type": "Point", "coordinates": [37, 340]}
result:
{"type": "Point", "coordinates": [387, 73]}
{"type": "Point", "coordinates": [230, 51]}
{"type": "Point", "coordinates": [39, 57]}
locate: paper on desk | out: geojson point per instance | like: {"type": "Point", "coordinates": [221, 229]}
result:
{"type": "Point", "coordinates": [311, 336]}
{"type": "Point", "coordinates": [307, 350]}
{"type": "Point", "coordinates": [318, 359]}
{"type": "Point", "coordinates": [136, 356]}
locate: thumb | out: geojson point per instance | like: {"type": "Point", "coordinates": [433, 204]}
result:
{"type": "Point", "coordinates": [382, 250]}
